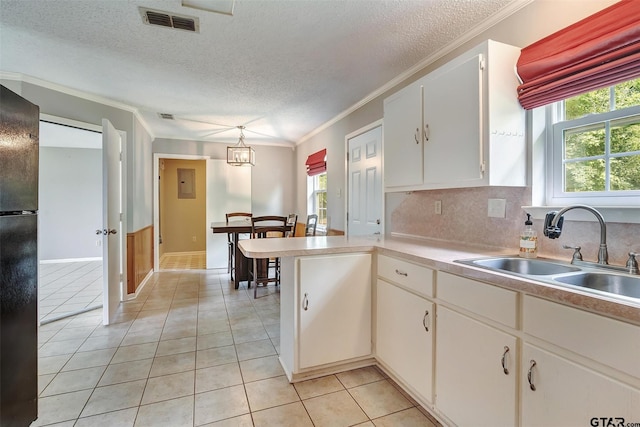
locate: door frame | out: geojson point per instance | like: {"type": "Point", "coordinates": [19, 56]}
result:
{"type": "Point", "coordinates": [156, 194]}
{"type": "Point", "coordinates": [63, 121]}
{"type": "Point", "coordinates": [349, 136]}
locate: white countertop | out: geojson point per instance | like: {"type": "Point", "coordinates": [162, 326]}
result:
{"type": "Point", "coordinates": [441, 256]}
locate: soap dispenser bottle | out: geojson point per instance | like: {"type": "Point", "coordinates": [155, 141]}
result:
{"type": "Point", "coordinates": [528, 240]}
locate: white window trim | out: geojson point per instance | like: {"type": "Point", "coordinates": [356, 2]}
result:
{"type": "Point", "coordinates": [540, 122]}
{"type": "Point", "coordinates": [311, 200]}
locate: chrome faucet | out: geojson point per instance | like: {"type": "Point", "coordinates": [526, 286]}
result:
{"type": "Point", "coordinates": [553, 228]}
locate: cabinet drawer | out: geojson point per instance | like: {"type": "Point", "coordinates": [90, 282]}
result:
{"type": "Point", "coordinates": [486, 300]}
{"type": "Point", "coordinates": [411, 276]}
{"type": "Point", "coordinates": [608, 341]}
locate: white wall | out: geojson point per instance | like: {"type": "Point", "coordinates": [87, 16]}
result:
{"type": "Point", "coordinates": [70, 203]}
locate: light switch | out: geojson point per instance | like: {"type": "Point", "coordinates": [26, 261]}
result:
{"type": "Point", "coordinates": [497, 208]}
{"type": "Point", "coordinates": [438, 207]}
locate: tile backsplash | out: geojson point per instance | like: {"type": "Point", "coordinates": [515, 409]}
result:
{"type": "Point", "coordinates": [465, 219]}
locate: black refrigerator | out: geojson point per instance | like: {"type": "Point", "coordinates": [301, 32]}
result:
{"type": "Point", "coordinates": [19, 126]}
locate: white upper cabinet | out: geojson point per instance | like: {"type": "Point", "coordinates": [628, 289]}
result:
{"type": "Point", "coordinates": [403, 137]}
{"type": "Point", "coordinates": [471, 126]}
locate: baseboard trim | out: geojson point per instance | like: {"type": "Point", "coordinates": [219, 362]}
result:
{"type": "Point", "coordinates": [68, 260]}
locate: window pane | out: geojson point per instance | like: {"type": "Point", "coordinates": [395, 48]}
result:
{"type": "Point", "coordinates": [322, 181]}
{"type": "Point", "coordinates": [584, 176]}
{"type": "Point", "coordinates": [587, 103]}
{"type": "Point", "coordinates": [627, 94]}
{"type": "Point", "coordinates": [625, 135]}
{"type": "Point", "coordinates": [625, 173]}
{"type": "Point", "coordinates": [583, 142]}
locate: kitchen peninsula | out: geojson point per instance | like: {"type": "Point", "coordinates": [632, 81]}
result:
{"type": "Point", "coordinates": [543, 353]}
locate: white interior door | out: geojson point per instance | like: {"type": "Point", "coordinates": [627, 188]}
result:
{"type": "Point", "coordinates": [111, 232]}
{"type": "Point", "coordinates": [365, 183]}
{"type": "Point", "coordinates": [228, 190]}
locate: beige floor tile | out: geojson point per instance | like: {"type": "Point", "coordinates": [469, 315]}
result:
{"type": "Point", "coordinates": [360, 376]}
{"type": "Point", "coordinates": [213, 326]}
{"type": "Point", "coordinates": [127, 371]}
{"type": "Point", "coordinates": [249, 334]}
{"type": "Point", "coordinates": [334, 409]}
{"type": "Point", "coordinates": [411, 417]}
{"type": "Point", "coordinates": [81, 379]}
{"type": "Point", "coordinates": [43, 381]}
{"type": "Point", "coordinates": [130, 353]}
{"type": "Point", "coordinates": [176, 332]}
{"type": "Point", "coordinates": [365, 424]}
{"type": "Point", "coordinates": [57, 348]}
{"type": "Point", "coordinates": [379, 399]}
{"type": "Point", "coordinates": [220, 404]}
{"type": "Point", "coordinates": [241, 421]}
{"type": "Point", "coordinates": [53, 364]}
{"type": "Point", "coordinates": [217, 377]}
{"type": "Point", "coordinates": [318, 387]}
{"type": "Point", "coordinates": [174, 413]}
{"type": "Point", "coordinates": [122, 418]}
{"type": "Point", "coordinates": [173, 364]}
{"type": "Point", "coordinates": [89, 359]}
{"type": "Point", "coordinates": [219, 339]}
{"type": "Point", "coordinates": [168, 387]}
{"type": "Point", "coordinates": [175, 346]}
{"type": "Point", "coordinates": [215, 356]}
{"type": "Point", "coordinates": [261, 368]}
{"type": "Point", "coordinates": [72, 333]}
{"type": "Point", "coordinates": [62, 407]}
{"type": "Point", "coordinates": [142, 337]}
{"type": "Point", "coordinates": [271, 392]}
{"type": "Point", "coordinates": [291, 415]}
{"type": "Point", "coordinates": [100, 343]}
{"type": "Point", "coordinates": [114, 397]}
{"type": "Point", "coordinates": [255, 349]}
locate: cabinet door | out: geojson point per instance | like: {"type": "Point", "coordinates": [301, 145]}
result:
{"type": "Point", "coordinates": [452, 120]}
{"type": "Point", "coordinates": [403, 137]}
{"type": "Point", "coordinates": [404, 341]}
{"type": "Point", "coordinates": [334, 308]}
{"type": "Point", "coordinates": [569, 394]}
{"type": "Point", "coordinates": [472, 386]}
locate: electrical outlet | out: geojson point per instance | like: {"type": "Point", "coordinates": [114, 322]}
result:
{"type": "Point", "coordinates": [193, 238]}
{"type": "Point", "coordinates": [438, 207]}
{"type": "Point", "coordinates": [497, 208]}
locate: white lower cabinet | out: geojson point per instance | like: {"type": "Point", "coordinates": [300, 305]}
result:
{"type": "Point", "coordinates": [333, 308]}
{"type": "Point", "coordinates": [404, 334]}
{"type": "Point", "coordinates": [475, 371]}
{"type": "Point", "coordinates": [560, 392]}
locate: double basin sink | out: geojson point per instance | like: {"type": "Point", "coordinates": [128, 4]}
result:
{"type": "Point", "coordinates": [586, 278]}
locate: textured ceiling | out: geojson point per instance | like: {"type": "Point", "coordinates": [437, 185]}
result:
{"type": "Point", "coordinates": [280, 67]}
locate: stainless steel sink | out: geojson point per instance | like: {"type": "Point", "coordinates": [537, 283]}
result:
{"type": "Point", "coordinates": [524, 266]}
{"type": "Point", "coordinates": [613, 283]}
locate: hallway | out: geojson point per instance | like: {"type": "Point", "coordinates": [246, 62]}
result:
{"type": "Point", "coordinates": [191, 351]}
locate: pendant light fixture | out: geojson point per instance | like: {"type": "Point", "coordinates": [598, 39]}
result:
{"type": "Point", "coordinates": [241, 154]}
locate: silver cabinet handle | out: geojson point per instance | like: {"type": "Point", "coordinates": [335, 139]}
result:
{"type": "Point", "coordinates": [401, 273]}
{"type": "Point", "coordinates": [532, 386]}
{"type": "Point", "coordinates": [426, 133]}
{"type": "Point", "coordinates": [504, 360]}
{"type": "Point", "coordinates": [305, 302]}
{"type": "Point", "coordinates": [425, 320]}
{"type": "Point", "coordinates": [417, 134]}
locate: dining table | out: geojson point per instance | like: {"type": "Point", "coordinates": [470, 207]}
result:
{"type": "Point", "coordinates": [241, 264]}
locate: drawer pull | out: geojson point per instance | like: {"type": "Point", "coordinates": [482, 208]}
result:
{"type": "Point", "coordinates": [425, 320]}
{"type": "Point", "coordinates": [532, 386]}
{"type": "Point", "coordinates": [504, 360]}
{"type": "Point", "coordinates": [401, 273]}
{"type": "Point", "coordinates": [305, 302]}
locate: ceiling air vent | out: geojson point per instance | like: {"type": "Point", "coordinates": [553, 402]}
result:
{"type": "Point", "coordinates": [165, 19]}
{"type": "Point", "coordinates": [166, 116]}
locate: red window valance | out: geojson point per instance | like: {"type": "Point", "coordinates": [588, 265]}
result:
{"type": "Point", "coordinates": [598, 51]}
{"type": "Point", "coordinates": [317, 163]}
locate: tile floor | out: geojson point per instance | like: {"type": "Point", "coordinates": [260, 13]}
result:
{"type": "Point", "coordinates": [183, 261]}
{"type": "Point", "coordinates": [190, 351]}
{"type": "Point", "coordinates": [68, 286]}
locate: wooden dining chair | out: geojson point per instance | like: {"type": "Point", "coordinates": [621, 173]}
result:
{"type": "Point", "coordinates": [234, 216]}
{"type": "Point", "coordinates": [267, 270]}
{"type": "Point", "coordinates": [292, 221]}
{"type": "Point", "coordinates": [312, 222]}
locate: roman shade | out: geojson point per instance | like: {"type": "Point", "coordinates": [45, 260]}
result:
{"type": "Point", "coordinates": [598, 51]}
{"type": "Point", "coordinates": [317, 163]}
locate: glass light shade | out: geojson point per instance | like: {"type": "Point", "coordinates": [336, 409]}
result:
{"type": "Point", "coordinates": [241, 155]}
